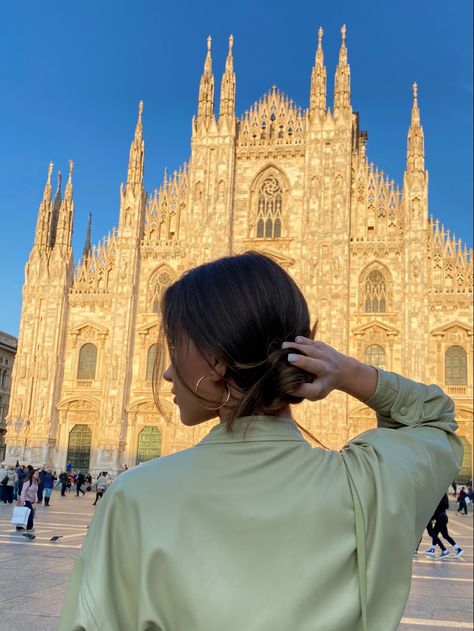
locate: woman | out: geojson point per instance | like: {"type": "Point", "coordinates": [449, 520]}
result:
{"type": "Point", "coordinates": [462, 501]}
{"type": "Point", "coordinates": [440, 527]}
{"type": "Point", "coordinates": [101, 486]}
{"type": "Point", "coordinates": [28, 496]}
{"type": "Point", "coordinates": [241, 531]}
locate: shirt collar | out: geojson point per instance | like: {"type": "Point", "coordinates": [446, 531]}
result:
{"type": "Point", "coordinates": [255, 429]}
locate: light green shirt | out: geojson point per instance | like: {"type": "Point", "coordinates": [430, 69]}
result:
{"type": "Point", "coordinates": [255, 530]}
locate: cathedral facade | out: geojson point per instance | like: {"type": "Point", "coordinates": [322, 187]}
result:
{"type": "Point", "coordinates": [385, 281]}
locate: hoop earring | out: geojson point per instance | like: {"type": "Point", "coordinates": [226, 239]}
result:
{"type": "Point", "coordinates": [198, 383]}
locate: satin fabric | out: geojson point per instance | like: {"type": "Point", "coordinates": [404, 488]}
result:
{"type": "Point", "coordinates": [254, 530]}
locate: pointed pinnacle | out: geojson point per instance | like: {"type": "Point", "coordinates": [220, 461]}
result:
{"type": "Point", "coordinates": [415, 90]}
{"type": "Point", "coordinates": [343, 33]}
{"type": "Point", "coordinates": [50, 171]}
{"type": "Point", "coordinates": [320, 34]}
{"type": "Point", "coordinates": [231, 43]}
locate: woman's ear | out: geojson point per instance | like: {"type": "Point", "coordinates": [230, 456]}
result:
{"type": "Point", "coordinates": [218, 372]}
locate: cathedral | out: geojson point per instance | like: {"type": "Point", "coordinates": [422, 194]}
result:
{"type": "Point", "coordinates": [385, 281]}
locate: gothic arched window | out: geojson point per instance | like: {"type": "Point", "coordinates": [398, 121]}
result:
{"type": "Point", "coordinates": [87, 362]}
{"type": "Point", "coordinates": [269, 207]}
{"type": "Point", "coordinates": [375, 293]}
{"type": "Point", "coordinates": [375, 356]}
{"type": "Point", "coordinates": [150, 362]}
{"type": "Point", "coordinates": [455, 366]}
{"type": "Point", "coordinates": [161, 281]}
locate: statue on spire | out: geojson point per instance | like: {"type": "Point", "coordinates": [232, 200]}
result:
{"type": "Point", "coordinates": [318, 81]}
{"type": "Point", "coordinates": [415, 142]}
{"type": "Point", "coordinates": [227, 104]}
{"type": "Point", "coordinates": [87, 246]}
{"type": "Point", "coordinates": [206, 90]}
{"type": "Point", "coordinates": [342, 84]}
{"type": "Point", "coordinates": [137, 156]}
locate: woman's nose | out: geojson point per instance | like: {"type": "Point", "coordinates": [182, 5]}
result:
{"type": "Point", "coordinates": [167, 375]}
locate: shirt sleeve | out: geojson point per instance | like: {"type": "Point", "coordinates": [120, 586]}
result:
{"type": "Point", "coordinates": [399, 473]}
{"type": "Point", "coordinates": [103, 589]}
{"type": "Point", "coordinates": [412, 455]}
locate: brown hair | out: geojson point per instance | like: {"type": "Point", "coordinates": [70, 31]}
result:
{"type": "Point", "coordinates": [239, 310]}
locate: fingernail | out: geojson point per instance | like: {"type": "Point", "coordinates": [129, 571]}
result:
{"type": "Point", "coordinates": [298, 338]}
{"type": "Point", "coordinates": [292, 357]}
{"type": "Point", "coordinates": [285, 345]}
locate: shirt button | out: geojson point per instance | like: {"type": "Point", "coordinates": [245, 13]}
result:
{"type": "Point", "coordinates": [403, 411]}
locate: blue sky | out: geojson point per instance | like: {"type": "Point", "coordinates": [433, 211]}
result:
{"type": "Point", "coordinates": [72, 74]}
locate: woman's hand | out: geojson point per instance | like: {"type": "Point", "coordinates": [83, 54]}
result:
{"type": "Point", "coordinates": [332, 371]}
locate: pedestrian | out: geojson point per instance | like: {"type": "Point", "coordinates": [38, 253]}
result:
{"type": "Point", "coordinates": [88, 482]}
{"type": "Point", "coordinates": [41, 474]}
{"type": "Point", "coordinates": [8, 487]}
{"type": "Point", "coordinates": [69, 468]}
{"type": "Point", "coordinates": [101, 486]}
{"type": "Point", "coordinates": [80, 479]}
{"type": "Point", "coordinates": [240, 531]}
{"type": "Point", "coordinates": [63, 478]}
{"type": "Point", "coordinates": [21, 475]}
{"type": "Point", "coordinates": [462, 500]}
{"type": "Point", "coordinates": [454, 484]}
{"type": "Point", "coordinates": [3, 480]}
{"type": "Point", "coordinates": [28, 496]}
{"type": "Point", "coordinates": [49, 480]}
{"type": "Point", "coordinates": [438, 525]}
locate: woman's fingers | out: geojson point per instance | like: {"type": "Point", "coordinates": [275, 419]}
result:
{"type": "Point", "coordinates": [311, 391]}
{"type": "Point", "coordinates": [310, 364]}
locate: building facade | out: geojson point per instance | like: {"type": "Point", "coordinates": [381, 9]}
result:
{"type": "Point", "coordinates": [8, 346]}
{"type": "Point", "coordinates": [386, 282]}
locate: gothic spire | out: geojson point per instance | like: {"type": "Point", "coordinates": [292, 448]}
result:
{"type": "Point", "coordinates": [44, 213]}
{"type": "Point", "coordinates": [342, 84]}
{"type": "Point", "coordinates": [64, 220]}
{"type": "Point", "coordinates": [87, 246]}
{"type": "Point", "coordinates": [55, 206]}
{"type": "Point", "coordinates": [206, 90]}
{"type": "Point", "coordinates": [415, 142]}
{"type": "Point", "coordinates": [318, 80]}
{"type": "Point", "coordinates": [227, 104]}
{"type": "Point", "coordinates": [137, 156]}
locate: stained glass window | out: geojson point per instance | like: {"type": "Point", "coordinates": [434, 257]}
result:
{"type": "Point", "coordinates": [87, 362]}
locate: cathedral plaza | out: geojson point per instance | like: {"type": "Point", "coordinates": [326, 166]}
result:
{"type": "Point", "coordinates": [385, 281]}
{"type": "Point", "coordinates": [38, 571]}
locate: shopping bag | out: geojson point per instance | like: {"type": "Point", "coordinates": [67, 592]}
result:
{"type": "Point", "coordinates": [20, 516]}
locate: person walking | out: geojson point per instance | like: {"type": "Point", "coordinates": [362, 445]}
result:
{"type": "Point", "coordinates": [28, 496]}
{"type": "Point", "coordinates": [438, 525]}
{"type": "Point", "coordinates": [41, 473]}
{"type": "Point", "coordinates": [21, 475]}
{"type": "Point", "coordinates": [3, 480]}
{"type": "Point", "coordinates": [8, 487]}
{"type": "Point", "coordinates": [240, 531]}
{"type": "Point", "coordinates": [49, 480]}
{"type": "Point", "coordinates": [80, 479]}
{"type": "Point", "coordinates": [101, 486]}
{"type": "Point", "coordinates": [454, 484]}
{"type": "Point", "coordinates": [462, 504]}
{"type": "Point", "coordinates": [63, 478]}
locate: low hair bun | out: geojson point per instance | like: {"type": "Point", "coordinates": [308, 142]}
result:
{"type": "Point", "coordinates": [271, 393]}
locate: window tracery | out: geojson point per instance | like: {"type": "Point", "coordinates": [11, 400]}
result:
{"type": "Point", "coordinates": [455, 366]}
{"type": "Point", "coordinates": [159, 283]}
{"type": "Point", "coordinates": [269, 208]}
{"type": "Point", "coordinates": [375, 293]}
{"type": "Point", "coordinates": [375, 355]}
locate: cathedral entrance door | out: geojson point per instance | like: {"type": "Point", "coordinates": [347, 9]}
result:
{"type": "Point", "coordinates": [149, 444]}
{"type": "Point", "coordinates": [79, 449]}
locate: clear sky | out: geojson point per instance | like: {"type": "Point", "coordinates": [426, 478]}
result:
{"type": "Point", "coordinates": [72, 74]}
